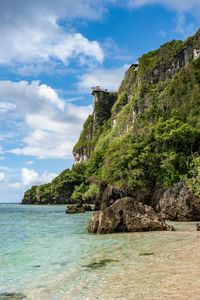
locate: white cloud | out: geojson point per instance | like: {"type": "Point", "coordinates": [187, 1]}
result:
{"type": "Point", "coordinates": [30, 33]}
{"type": "Point", "coordinates": [107, 78]}
{"type": "Point", "coordinates": [1, 149]}
{"type": "Point", "coordinates": [183, 27]}
{"type": "Point", "coordinates": [47, 125]}
{"type": "Point", "coordinates": [181, 7]}
{"type": "Point", "coordinates": [29, 162]}
{"type": "Point", "coordinates": [30, 177]}
{"type": "Point", "coordinates": [15, 185]}
{"type": "Point", "coordinates": [178, 5]}
{"type": "Point", "coordinates": [2, 176]}
{"type": "Point", "coordinates": [25, 97]}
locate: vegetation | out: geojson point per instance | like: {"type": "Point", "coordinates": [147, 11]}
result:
{"type": "Point", "coordinates": [156, 137]}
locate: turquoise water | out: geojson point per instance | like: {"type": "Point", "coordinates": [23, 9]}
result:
{"type": "Point", "coordinates": [48, 255]}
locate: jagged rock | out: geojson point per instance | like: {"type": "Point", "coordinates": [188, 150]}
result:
{"type": "Point", "coordinates": [198, 227]}
{"type": "Point", "coordinates": [103, 102]}
{"type": "Point", "coordinates": [179, 203]}
{"type": "Point", "coordinates": [126, 215]}
{"type": "Point", "coordinates": [87, 207]}
{"type": "Point", "coordinates": [108, 194]}
{"type": "Point", "coordinates": [74, 209]}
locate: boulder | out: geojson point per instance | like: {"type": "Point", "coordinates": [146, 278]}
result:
{"type": "Point", "coordinates": [179, 203]}
{"type": "Point", "coordinates": [87, 207]}
{"type": "Point", "coordinates": [126, 215]}
{"type": "Point", "coordinates": [198, 227]}
{"type": "Point", "coordinates": [74, 209]}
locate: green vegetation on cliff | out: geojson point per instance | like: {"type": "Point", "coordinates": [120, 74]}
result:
{"type": "Point", "coordinates": [148, 137]}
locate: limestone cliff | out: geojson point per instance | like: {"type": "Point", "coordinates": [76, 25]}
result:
{"type": "Point", "coordinates": [103, 102]}
{"type": "Point", "coordinates": [141, 140]}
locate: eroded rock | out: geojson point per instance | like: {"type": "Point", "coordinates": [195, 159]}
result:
{"type": "Point", "coordinates": [126, 215]}
{"type": "Point", "coordinates": [74, 209]}
{"type": "Point", "coordinates": [179, 203]}
{"type": "Point", "coordinates": [198, 227]}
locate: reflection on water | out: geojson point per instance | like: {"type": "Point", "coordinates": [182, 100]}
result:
{"type": "Point", "coordinates": [55, 259]}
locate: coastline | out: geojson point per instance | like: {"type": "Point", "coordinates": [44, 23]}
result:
{"type": "Point", "coordinates": [55, 258]}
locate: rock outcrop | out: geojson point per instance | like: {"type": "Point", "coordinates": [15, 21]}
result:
{"type": "Point", "coordinates": [126, 215]}
{"type": "Point", "coordinates": [179, 203]}
{"type": "Point", "coordinates": [77, 208]}
{"type": "Point", "coordinates": [74, 209]}
{"type": "Point", "coordinates": [108, 194]}
{"type": "Point", "coordinates": [198, 227]}
{"type": "Point", "coordinates": [103, 102]}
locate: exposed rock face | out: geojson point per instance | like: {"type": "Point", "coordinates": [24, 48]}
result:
{"type": "Point", "coordinates": [179, 203]}
{"type": "Point", "coordinates": [74, 209]}
{"type": "Point", "coordinates": [103, 102]}
{"type": "Point", "coordinates": [108, 194]}
{"type": "Point", "coordinates": [126, 215]}
{"type": "Point", "coordinates": [87, 207]}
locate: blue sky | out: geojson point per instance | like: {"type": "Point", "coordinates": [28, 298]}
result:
{"type": "Point", "coordinates": [51, 55]}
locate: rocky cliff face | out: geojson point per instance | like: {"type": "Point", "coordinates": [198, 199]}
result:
{"type": "Point", "coordinates": [142, 139]}
{"type": "Point", "coordinates": [103, 102]}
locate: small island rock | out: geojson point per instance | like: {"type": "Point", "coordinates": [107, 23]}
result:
{"type": "Point", "coordinates": [87, 207]}
{"type": "Point", "coordinates": [126, 215]}
{"type": "Point", "coordinates": [74, 209]}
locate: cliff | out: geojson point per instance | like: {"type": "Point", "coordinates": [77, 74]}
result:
{"type": "Point", "coordinates": [103, 102]}
{"type": "Point", "coordinates": [142, 139]}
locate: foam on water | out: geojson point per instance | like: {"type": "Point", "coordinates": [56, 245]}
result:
{"type": "Point", "coordinates": [48, 255]}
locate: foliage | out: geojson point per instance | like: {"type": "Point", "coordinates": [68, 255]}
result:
{"type": "Point", "coordinates": [120, 103]}
{"type": "Point", "coordinates": [79, 191]}
{"type": "Point", "coordinates": [192, 179]}
{"type": "Point", "coordinates": [92, 193]}
{"type": "Point", "coordinates": [156, 138]}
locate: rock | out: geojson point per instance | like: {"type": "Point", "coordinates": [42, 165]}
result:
{"type": "Point", "coordinates": [198, 227]}
{"type": "Point", "coordinates": [12, 296]}
{"type": "Point", "coordinates": [74, 209]}
{"type": "Point", "coordinates": [87, 207]}
{"type": "Point", "coordinates": [126, 215]}
{"type": "Point", "coordinates": [179, 203]}
{"type": "Point", "coordinates": [108, 194]}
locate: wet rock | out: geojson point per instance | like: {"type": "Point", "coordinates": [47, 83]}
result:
{"type": "Point", "coordinates": [87, 207]}
{"type": "Point", "coordinates": [198, 227]}
{"type": "Point", "coordinates": [126, 215]}
{"type": "Point", "coordinates": [12, 296]}
{"type": "Point", "coordinates": [99, 264]}
{"type": "Point", "coordinates": [74, 209]}
{"type": "Point", "coordinates": [179, 203]}
{"type": "Point", "coordinates": [146, 253]}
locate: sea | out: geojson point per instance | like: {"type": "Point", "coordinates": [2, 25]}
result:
{"type": "Point", "coordinates": [48, 255]}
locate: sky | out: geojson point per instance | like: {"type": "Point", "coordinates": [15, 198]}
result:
{"type": "Point", "coordinates": [52, 52]}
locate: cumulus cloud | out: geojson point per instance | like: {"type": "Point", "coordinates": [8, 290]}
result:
{"type": "Point", "coordinates": [48, 125]}
{"type": "Point", "coordinates": [107, 78]}
{"type": "Point", "coordinates": [2, 176]}
{"type": "Point", "coordinates": [29, 177]}
{"type": "Point", "coordinates": [29, 162]}
{"type": "Point", "coordinates": [180, 6]}
{"type": "Point", "coordinates": [31, 32]}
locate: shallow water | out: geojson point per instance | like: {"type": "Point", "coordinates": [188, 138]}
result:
{"type": "Point", "coordinates": [48, 255]}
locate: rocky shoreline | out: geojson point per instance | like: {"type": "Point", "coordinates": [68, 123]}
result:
{"type": "Point", "coordinates": [127, 214]}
